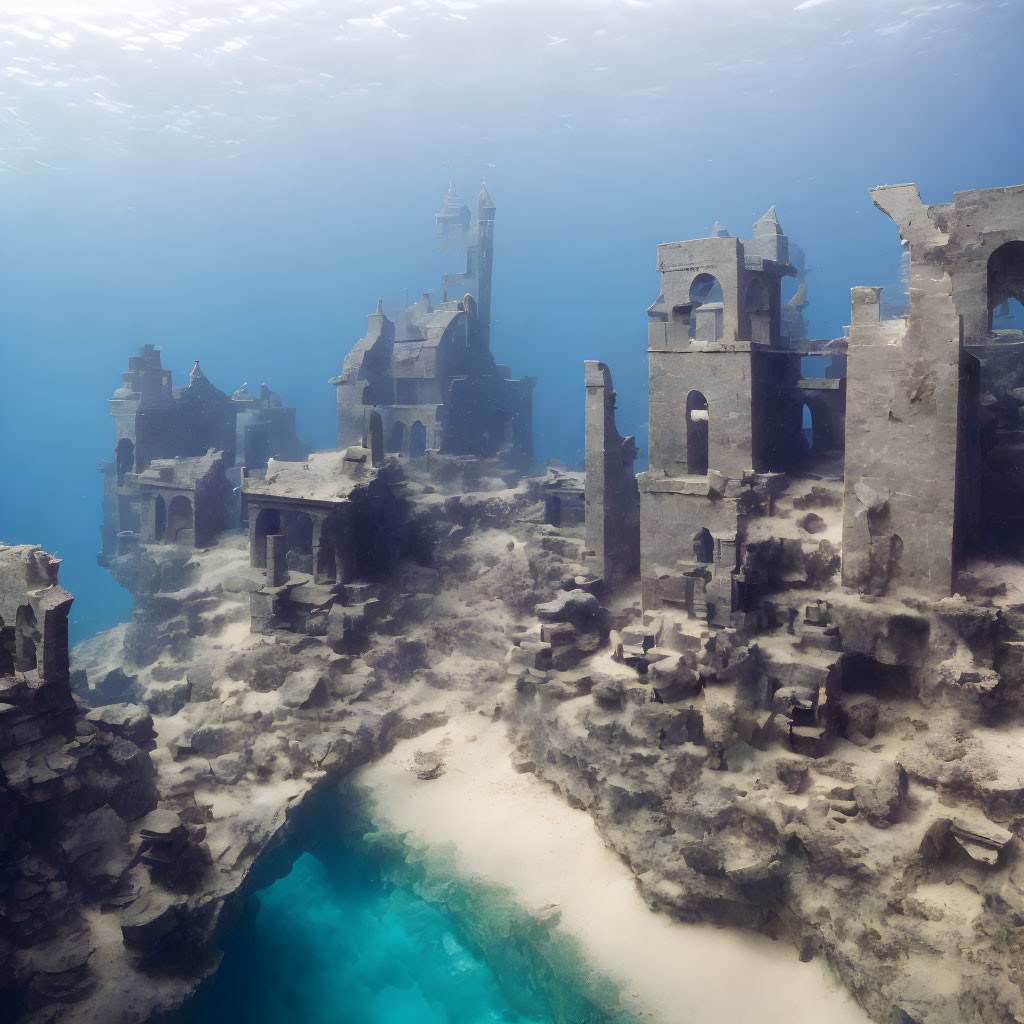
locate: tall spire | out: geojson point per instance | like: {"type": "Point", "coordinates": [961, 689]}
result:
{"type": "Point", "coordinates": [484, 202]}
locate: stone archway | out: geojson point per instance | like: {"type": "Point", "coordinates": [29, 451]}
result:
{"type": "Point", "coordinates": [417, 440]}
{"type": "Point", "coordinates": [266, 522]}
{"type": "Point", "coordinates": [704, 546]}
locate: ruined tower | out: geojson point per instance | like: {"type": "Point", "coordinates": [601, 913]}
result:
{"type": "Point", "coordinates": [923, 478]}
{"type": "Point", "coordinates": [726, 397]}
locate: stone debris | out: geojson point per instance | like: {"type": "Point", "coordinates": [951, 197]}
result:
{"type": "Point", "coordinates": [983, 840]}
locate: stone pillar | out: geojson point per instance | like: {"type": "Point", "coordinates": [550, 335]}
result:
{"type": "Point", "coordinates": [149, 520]}
{"type": "Point", "coordinates": [277, 560]}
{"type": "Point", "coordinates": [611, 499]}
{"type": "Point", "coordinates": [373, 437]}
{"type": "Point", "coordinates": [324, 570]}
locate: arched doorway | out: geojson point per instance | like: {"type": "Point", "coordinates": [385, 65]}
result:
{"type": "Point", "coordinates": [697, 426]}
{"type": "Point", "coordinates": [704, 546]}
{"type": "Point", "coordinates": [1005, 280]}
{"type": "Point", "coordinates": [806, 429]}
{"type": "Point", "coordinates": [706, 298]}
{"type": "Point", "coordinates": [180, 521]}
{"type": "Point", "coordinates": [417, 439]}
{"type": "Point", "coordinates": [159, 519]}
{"type": "Point", "coordinates": [396, 438]}
{"type": "Point", "coordinates": [124, 459]}
{"type": "Point", "coordinates": [266, 522]}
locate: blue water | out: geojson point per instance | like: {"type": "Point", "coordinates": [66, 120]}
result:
{"type": "Point", "coordinates": [367, 929]}
{"type": "Point", "coordinates": [332, 942]}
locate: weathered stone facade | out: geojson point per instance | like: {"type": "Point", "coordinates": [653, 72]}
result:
{"type": "Point", "coordinates": [726, 400]}
{"type": "Point", "coordinates": [178, 456]}
{"type": "Point", "coordinates": [928, 425]}
{"type": "Point", "coordinates": [915, 469]}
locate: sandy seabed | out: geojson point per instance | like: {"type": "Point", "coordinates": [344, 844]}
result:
{"type": "Point", "coordinates": [513, 830]}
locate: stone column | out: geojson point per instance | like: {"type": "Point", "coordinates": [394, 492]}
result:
{"type": "Point", "coordinates": [323, 552]}
{"type": "Point", "coordinates": [610, 494]}
{"type": "Point", "coordinates": [277, 560]}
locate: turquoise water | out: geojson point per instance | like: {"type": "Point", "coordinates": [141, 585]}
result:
{"type": "Point", "coordinates": [333, 943]}
{"type": "Point", "coordinates": [370, 930]}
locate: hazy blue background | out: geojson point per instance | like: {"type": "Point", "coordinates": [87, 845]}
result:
{"type": "Point", "coordinates": [240, 182]}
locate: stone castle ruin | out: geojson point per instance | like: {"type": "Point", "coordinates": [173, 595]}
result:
{"type": "Point", "coordinates": [931, 416]}
{"type": "Point", "coordinates": [755, 525]}
{"type": "Point", "coordinates": [427, 381]}
{"type": "Point", "coordinates": [180, 455]}
{"type": "Point", "coordinates": [782, 667]}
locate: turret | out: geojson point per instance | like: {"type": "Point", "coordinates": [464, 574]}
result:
{"type": "Point", "coordinates": [451, 225]}
{"type": "Point", "coordinates": [769, 241]}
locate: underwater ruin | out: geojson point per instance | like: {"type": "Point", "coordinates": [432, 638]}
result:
{"type": "Point", "coordinates": [780, 667]}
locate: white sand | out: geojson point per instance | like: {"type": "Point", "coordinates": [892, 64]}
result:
{"type": "Point", "coordinates": [513, 830]}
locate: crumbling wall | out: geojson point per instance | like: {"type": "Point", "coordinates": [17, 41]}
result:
{"type": "Point", "coordinates": [33, 613]}
{"type": "Point", "coordinates": [69, 785]}
{"type": "Point", "coordinates": [906, 425]}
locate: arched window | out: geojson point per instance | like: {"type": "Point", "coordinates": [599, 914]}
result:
{"type": "Point", "coordinates": [1005, 281]}
{"type": "Point", "coordinates": [396, 437]}
{"type": "Point", "coordinates": [180, 523]}
{"type": "Point", "coordinates": [706, 316]}
{"type": "Point", "coordinates": [697, 424]}
{"type": "Point", "coordinates": [417, 439]}
{"type": "Point", "coordinates": [816, 427]}
{"type": "Point", "coordinates": [807, 427]}
{"type": "Point", "coordinates": [704, 545]}
{"type": "Point", "coordinates": [124, 459]}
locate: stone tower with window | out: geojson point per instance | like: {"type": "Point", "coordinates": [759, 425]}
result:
{"type": "Point", "coordinates": [722, 413]}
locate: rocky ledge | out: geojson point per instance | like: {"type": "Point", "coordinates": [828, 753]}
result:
{"type": "Point", "coordinates": [882, 835]}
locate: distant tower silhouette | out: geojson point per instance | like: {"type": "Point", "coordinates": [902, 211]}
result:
{"type": "Point", "coordinates": [451, 225]}
{"type": "Point", "coordinates": [485, 241]}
